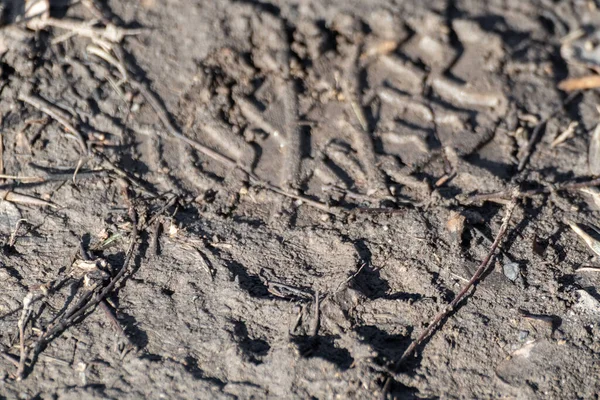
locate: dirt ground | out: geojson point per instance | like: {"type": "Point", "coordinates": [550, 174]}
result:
{"type": "Point", "coordinates": [273, 199]}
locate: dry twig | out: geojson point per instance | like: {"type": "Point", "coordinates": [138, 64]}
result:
{"type": "Point", "coordinates": [103, 54]}
{"type": "Point", "coordinates": [1, 153]}
{"type": "Point", "coordinates": [314, 329]}
{"type": "Point", "coordinates": [592, 242]}
{"type": "Point", "coordinates": [93, 297]}
{"type": "Point", "coordinates": [95, 173]}
{"type": "Point", "coordinates": [24, 199]}
{"type": "Point", "coordinates": [49, 288]}
{"type": "Point", "coordinates": [451, 307]}
{"type": "Point", "coordinates": [56, 113]}
{"type": "Point", "coordinates": [108, 310]}
{"type": "Point", "coordinates": [505, 195]}
{"type": "Point", "coordinates": [110, 32]}
{"type": "Point", "coordinates": [565, 135]}
{"type": "Point", "coordinates": [22, 323]}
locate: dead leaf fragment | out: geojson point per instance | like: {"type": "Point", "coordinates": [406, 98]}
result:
{"type": "Point", "coordinates": [85, 265]}
{"type": "Point", "coordinates": [456, 223]}
{"type": "Point", "coordinates": [581, 83]}
{"type": "Point", "coordinates": [525, 351]}
{"type": "Point", "coordinates": [173, 230]}
{"type": "Point", "coordinates": [379, 48]}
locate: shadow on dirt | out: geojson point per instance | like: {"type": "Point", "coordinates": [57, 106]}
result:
{"type": "Point", "coordinates": [248, 282]}
{"type": "Point", "coordinates": [254, 349]}
{"type": "Point", "coordinates": [191, 366]}
{"type": "Point", "coordinates": [400, 391]}
{"type": "Point", "coordinates": [388, 347]}
{"type": "Point", "coordinates": [324, 347]}
{"type": "Point", "coordinates": [137, 336]}
{"type": "Point", "coordinates": [369, 281]}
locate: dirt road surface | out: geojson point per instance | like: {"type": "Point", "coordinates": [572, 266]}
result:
{"type": "Point", "coordinates": [274, 199]}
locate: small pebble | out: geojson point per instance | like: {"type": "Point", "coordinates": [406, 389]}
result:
{"type": "Point", "coordinates": [511, 271]}
{"type": "Point", "coordinates": [523, 335]}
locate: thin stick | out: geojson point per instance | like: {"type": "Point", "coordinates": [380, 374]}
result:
{"type": "Point", "coordinates": [363, 144]}
{"type": "Point", "coordinates": [292, 159]}
{"type": "Point", "coordinates": [98, 52]}
{"type": "Point", "coordinates": [139, 183]}
{"type": "Point", "coordinates": [451, 307]}
{"type": "Point", "coordinates": [132, 244]}
{"type": "Point", "coordinates": [111, 32]}
{"type": "Point", "coordinates": [108, 311]}
{"type": "Point", "coordinates": [10, 358]}
{"type": "Point", "coordinates": [587, 269]}
{"type": "Point", "coordinates": [313, 203]}
{"type": "Point", "coordinates": [53, 287]}
{"type": "Point", "coordinates": [99, 173]}
{"type": "Point", "coordinates": [22, 323]}
{"type": "Point", "coordinates": [354, 275]}
{"type": "Point", "coordinates": [166, 121]}
{"type": "Point", "coordinates": [13, 236]}
{"type": "Point", "coordinates": [23, 178]}
{"type": "Point", "coordinates": [504, 195]}
{"type": "Point", "coordinates": [110, 314]}
{"type": "Point", "coordinates": [80, 163]}
{"type": "Point", "coordinates": [112, 318]}
{"type": "Point", "coordinates": [54, 112]}
{"type": "Point", "coordinates": [171, 202]}
{"type": "Point", "coordinates": [362, 139]}
{"type": "Point", "coordinates": [314, 329]}
{"type": "Point", "coordinates": [87, 301]}
{"type": "Point", "coordinates": [285, 291]}
{"type": "Point", "coordinates": [155, 238]}
{"type": "Point", "coordinates": [204, 262]}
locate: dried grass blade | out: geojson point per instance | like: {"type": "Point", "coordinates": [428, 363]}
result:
{"type": "Point", "coordinates": [592, 243]}
{"type": "Point", "coordinates": [581, 83]}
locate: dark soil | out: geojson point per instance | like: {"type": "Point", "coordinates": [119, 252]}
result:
{"type": "Point", "coordinates": [349, 136]}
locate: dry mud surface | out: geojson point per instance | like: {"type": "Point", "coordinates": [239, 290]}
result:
{"type": "Point", "coordinates": [274, 200]}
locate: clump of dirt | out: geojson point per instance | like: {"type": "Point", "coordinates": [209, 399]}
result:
{"type": "Point", "coordinates": [249, 199]}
